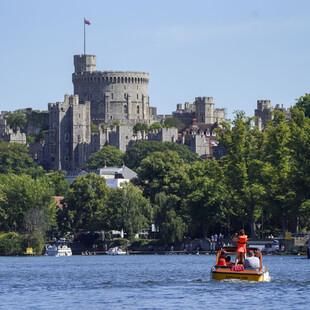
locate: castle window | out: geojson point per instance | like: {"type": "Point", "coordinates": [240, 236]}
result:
{"type": "Point", "coordinates": [122, 80]}
{"type": "Point", "coordinates": [111, 95]}
{"type": "Point", "coordinates": [111, 79]}
{"type": "Point", "coordinates": [114, 79]}
{"type": "Point", "coordinates": [66, 158]}
{"type": "Point", "coordinates": [79, 138]}
{"type": "Point", "coordinates": [138, 109]}
{"type": "Point", "coordinates": [137, 96]}
{"type": "Point", "coordinates": [137, 87]}
{"type": "Point", "coordinates": [125, 95]}
{"type": "Point", "coordinates": [125, 109]}
{"type": "Point", "coordinates": [126, 79]}
{"type": "Point", "coordinates": [118, 80]}
{"type": "Point", "coordinates": [66, 137]}
{"type": "Point", "coordinates": [112, 87]}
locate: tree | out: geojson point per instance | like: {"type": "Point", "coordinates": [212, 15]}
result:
{"type": "Point", "coordinates": [17, 118]}
{"type": "Point", "coordinates": [134, 155]}
{"type": "Point", "coordinates": [204, 196]}
{"type": "Point", "coordinates": [171, 225]}
{"type": "Point", "coordinates": [127, 209]}
{"type": "Point", "coordinates": [277, 170]}
{"type": "Point", "coordinates": [107, 155]}
{"type": "Point", "coordinates": [23, 198]}
{"type": "Point", "coordinates": [242, 167]}
{"type": "Point", "coordinates": [174, 122]}
{"type": "Point", "coordinates": [303, 103]}
{"type": "Point", "coordinates": [140, 127]}
{"type": "Point", "coordinates": [161, 172]}
{"type": "Point", "coordinates": [85, 204]}
{"type": "Point", "coordinates": [155, 126]}
{"type": "Point", "coordinates": [14, 158]}
{"type": "Point", "coordinates": [58, 183]}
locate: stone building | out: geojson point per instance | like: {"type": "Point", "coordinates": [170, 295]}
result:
{"type": "Point", "coordinates": [264, 113]}
{"type": "Point", "coordinates": [202, 109]}
{"type": "Point", "coordinates": [113, 95]}
{"type": "Point", "coordinates": [69, 133]}
{"type": "Point", "coordinates": [9, 135]}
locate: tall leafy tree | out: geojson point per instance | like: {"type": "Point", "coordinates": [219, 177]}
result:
{"type": "Point", "coordinates": [277, 170]}
{"type": "Point", "coordinates": [143, 149]}
{"type": "Point", "coordinates": [127, 209]}
{"type": "Point", "coordinates": [85, 204]}
{"type": "Point", "coordinates": [107, 155]}
{"type": "Point", "coordinates": [161, 172]}
{"type": "Point", "coordinates": [14, 158]}
{"type": "Point", "coordinates": [205, 197]}
{"type": "Point", "coordinates": [303, 103]}
{"type": "Point", "coordinates": [23, 201]}
{"type": "Point", "coordinates": [242, 167]}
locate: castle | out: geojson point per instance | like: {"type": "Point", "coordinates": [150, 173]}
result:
{"type": "Point", "coordinates": [103, 110]}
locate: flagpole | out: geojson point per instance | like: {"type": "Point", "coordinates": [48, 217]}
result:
{"type": "Point", "coordinates": [84, 38]}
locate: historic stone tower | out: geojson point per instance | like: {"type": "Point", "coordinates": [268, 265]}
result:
{"type": "Point", "coordinates": [205, 112]}
{"type": "Point", "coordinates": [69, 134]}
{"type": "Point", "coordinates": [114, 95]}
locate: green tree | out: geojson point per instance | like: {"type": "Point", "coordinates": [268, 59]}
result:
{"type": "Point", "coordinates": [134, 155]}
{"type": "Point", "coordinates": [58, 183]}
{"type": "Point", "coordinates": [303, 103]}
{"type": "Point", "coordinates": [174, 122]}
{"type": "Point", "coordinates": [127, 209]}
{"type": "Point", "coordinates": [161, 172]}
{"type": "Point", "coordinates": [171, 225]}
{"type": "Point", "coordinates": [93, 127]}
{"type": "Point", "coordinates": [17, 118]}
{"type": "Point", "coordinates": [242, 167]}
{"type": "Point", "coordinates": [140, 127]}
{"type": "Point", "coordinates": [277, 170]}
{"type": "Point", "coordinates": [107, 155]}
{"type": "Point", "coordinates": [299, 146]}
{"type": "Point", "coordinates": [85, 204]}
{"type": "Point", "coordinates": [14, 158]}
{"type": "Point", "coordinates": [205, 197]}
{"type": "Point", "coordinates": [155, 126]}
{"type": "Point", "coordinates": [21, 197]}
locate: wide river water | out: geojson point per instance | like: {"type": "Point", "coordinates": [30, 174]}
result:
{"type": "Point", "coordinates": [147, 282]}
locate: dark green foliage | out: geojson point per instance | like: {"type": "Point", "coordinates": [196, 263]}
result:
{"type": "Point", "coordinates": [93, 127]}
{"type": "Point", "coordinates": [117, 242]}
{"type": "Point", "coordinates": [107, 155]}
{"type": "Point", "coordinates": [155, 126]}
{"type": "Point", "coordinates": [140, 127]}
{"type": "Point", "coordinates": [14, 158]}
{"type": "Point", "coordinates": [17, 118]}
{"type": "Point", "coordinates": [303, 103]}
{"type": "Point", "coordinates": [174, 122]}
{"type": "Point", "coordinates": [134, 155]}
{"type": "Point", "coordinates": [58, 183]}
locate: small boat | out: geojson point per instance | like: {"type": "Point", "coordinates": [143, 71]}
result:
{"type": "Point", "coordinates": [239, 272]}
{"type": "Point", "coordinates": [60, 248]}
{"type": "Point", "coordinates": [116, 251]}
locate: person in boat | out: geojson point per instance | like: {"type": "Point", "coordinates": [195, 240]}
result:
{"type": "Point", "coordinates": [228, 261]}
{"type": "Point", "coordinates": [251, 261]}
{"type": "Point", "coordinates": [241, 240]}
{"type": "Point", "coordinates": [222, 260]}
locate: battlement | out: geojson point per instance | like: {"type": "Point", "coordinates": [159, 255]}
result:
{"type": "Point", "coordinates": [263, 104]}
{"type": "Point", "coordinates": [204, 99]}
{"type": "Point", "coordinates": [84, 63]}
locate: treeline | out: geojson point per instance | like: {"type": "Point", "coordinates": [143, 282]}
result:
{"type": "Point", "coordinates": [261, 184]}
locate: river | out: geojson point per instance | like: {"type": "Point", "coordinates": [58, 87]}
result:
{"type": "Point", "coordinates": [147, 282]}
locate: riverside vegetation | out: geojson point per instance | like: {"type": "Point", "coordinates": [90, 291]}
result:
{"type": "Point", "coordinates": [262, 181]}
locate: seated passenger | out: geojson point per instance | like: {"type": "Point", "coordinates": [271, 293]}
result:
{"type": "Point", "coordinates": [222, 260]}
{"type": "Point", "coordinates": [251, 261]}
{"type": "Point", "coordinates": [228, 261]}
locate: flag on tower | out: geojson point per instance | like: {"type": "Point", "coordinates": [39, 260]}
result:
{"type": "Point", "coordinates": [86, 22]}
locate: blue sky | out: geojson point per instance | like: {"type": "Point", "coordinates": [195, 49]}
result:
{"type": "Point", "coordinates": [234, 51]}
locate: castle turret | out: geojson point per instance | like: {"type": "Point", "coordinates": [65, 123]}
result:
{"type": "Point", "coordinates": [84, 63]}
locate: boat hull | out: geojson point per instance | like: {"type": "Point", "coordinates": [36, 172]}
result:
{"type": "Point", "coordinates": [222, 274]}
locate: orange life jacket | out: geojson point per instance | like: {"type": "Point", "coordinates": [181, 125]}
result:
{"type": "Point", "coordinates": [242, 241]}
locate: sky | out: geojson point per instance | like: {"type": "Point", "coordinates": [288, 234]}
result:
{"type": "Point", "coordinates": [237, 51]}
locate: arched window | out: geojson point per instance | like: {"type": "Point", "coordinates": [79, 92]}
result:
{"type": "Point", "coordinates": [114, 79]}
{"type": "Point", "coordinates": [118, 80]}
{"type": "Point", "coordinates": [122, 80]}
{"type": "Point", "coordinates": [126, 79]}
{"type": "Point", "coordinates": [138, 109]}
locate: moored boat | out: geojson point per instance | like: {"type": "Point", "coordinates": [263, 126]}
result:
{"type": "Point", "coordinates": [239, 272]}
{"type": "Point", "coordinates": [60, 248]}
{"type": "Point", "coordinates": [116, 251]}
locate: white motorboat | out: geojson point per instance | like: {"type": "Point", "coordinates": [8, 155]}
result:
{"type": "Point", "coordinates": [116, 251]}
{"type": "Point", "coordinates": [59, 249]}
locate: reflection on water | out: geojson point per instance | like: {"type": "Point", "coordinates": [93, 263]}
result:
{"type": "Point", "coordinates": [147, 282]}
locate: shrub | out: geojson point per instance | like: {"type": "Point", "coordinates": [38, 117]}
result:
{"type": "Point", "coordinates": [11, 244]}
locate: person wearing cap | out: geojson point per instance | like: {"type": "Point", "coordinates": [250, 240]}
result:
{"type": "Point", "coordinates": [222, 260]}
